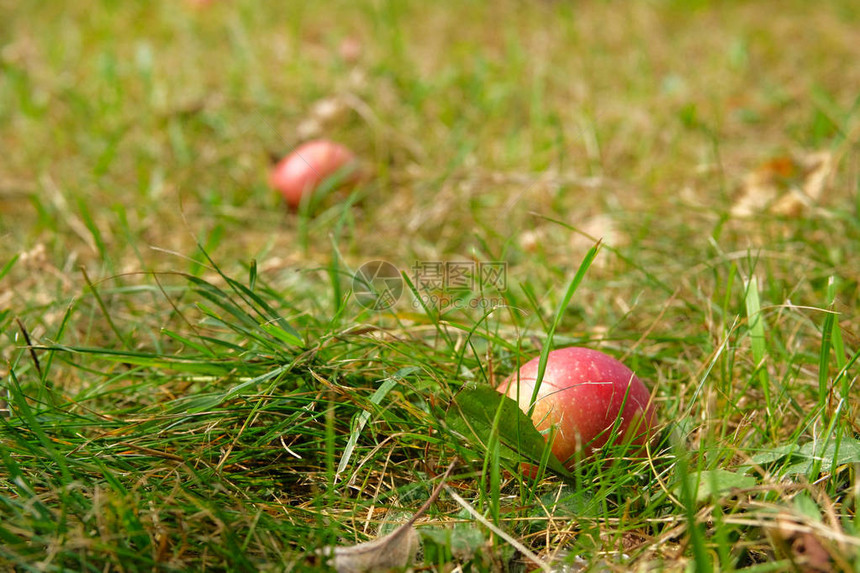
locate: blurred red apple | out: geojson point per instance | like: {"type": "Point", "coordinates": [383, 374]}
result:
{"type": "Point", "coordinates": [301, 172]}
{"type": "Point", "coordinates": [350, 49]}
{"type": "Point", "coordinates": [582, 394]}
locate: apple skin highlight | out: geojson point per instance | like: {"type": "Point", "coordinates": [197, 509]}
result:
{"type": "Point", "coordinates": [581, 395]}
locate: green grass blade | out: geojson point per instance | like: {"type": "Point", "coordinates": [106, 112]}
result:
{"type": "Point", "coordinates": [826, 344]}
{"type": "Point", "coordinates": [361, 420]}
{"type": "Point", "coordinates": [562, 308]}
{"type": "Point", "coordinates": [756, 329]}
{"type": "Point", "coordinates": [8, 266]}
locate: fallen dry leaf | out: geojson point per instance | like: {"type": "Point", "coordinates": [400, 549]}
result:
{"type": "Point", "coordinates": [350, 49]}
{"type": "Point", "coordinates": [599, 227]}
{"type": "Point", "coordinates": [808, 549]}
{"type": "Point", "coordinates": [793, 539]}
{"type": "Point", "coordinates": [323, 114]}
{"type": "Point", "coordinates": [531, 239]}
{"type": "Point", "coordinates": [784, 185]}
{"type": "Point", "coordinates": [395, 550]}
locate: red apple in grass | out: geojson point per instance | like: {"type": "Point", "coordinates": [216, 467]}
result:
{"type": "Point", "coordinates": [584, 394]}
{"type": "Point", "coordinates": [301, 172]}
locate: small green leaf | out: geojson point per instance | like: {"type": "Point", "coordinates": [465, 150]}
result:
{"type": "Point", "coordinates": [712, 483]}
{"type": "Point", "coordinates": [768, 456]}
{"type": "Point", "coordinates": [849, 451]}
{"type": "Point", "coordinates": [441, 545]}
{"type": "Point", "coordinates": [472, 414]}
{"type": "Point", "coordinates": [566, 502]}
{"type": "Point", "coordinates": [806, 506]}
{"type": "Point", "coordinates": [812, 452]}
{"type": "Point", "coordinates": [803, 457]}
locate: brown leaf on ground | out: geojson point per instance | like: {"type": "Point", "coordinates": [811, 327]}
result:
{"type": "Point", "coordinates": [793, 539]}
{"type": "Point", "coordinates": [392, 551]}
{"type": "Point", "coordinates": [323, 114]}
{"type": "Point", "coordinates": [395, 550]}
{"type": "Point", "coordinates": [808, 549]}
{"type": "Point", "coordinates": [600, 227]}
{"type": "Point", "coordinates": [784, 185]}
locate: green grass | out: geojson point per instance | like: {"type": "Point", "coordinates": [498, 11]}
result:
{"type": "Point", "coordinates": [187, 382]}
